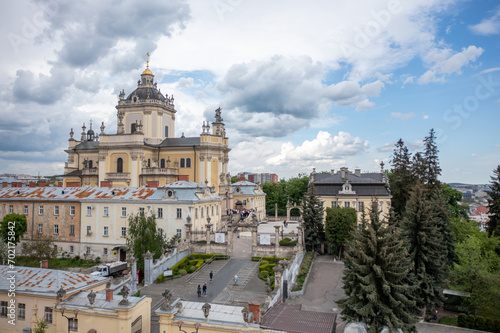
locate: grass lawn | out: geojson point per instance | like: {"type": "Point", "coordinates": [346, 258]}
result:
{"type": "Point", "coordinates": [55, 262]}
{"type": "Point", "coordinates": [451, 321]}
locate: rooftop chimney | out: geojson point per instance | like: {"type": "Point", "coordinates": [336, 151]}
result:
{"type": "Point", "coordinates": [255, 309]}
{"type": "Point", "coordinates": [109, 294]}
{"type": "Point", "coordinates": [357, 172]}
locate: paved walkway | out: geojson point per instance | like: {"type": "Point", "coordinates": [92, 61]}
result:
{"type": "Point", "coordinates": [324, 287]}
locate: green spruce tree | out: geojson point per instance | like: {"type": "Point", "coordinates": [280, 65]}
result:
{"type": "Point", "coordinates": [426, 248]}
{"type": "Point", "coordinates": [401, 178]}
{"type": "Point", "coordinates": [375, 279]}
{"type": "Point", "coordinates": [312, 214]}
{"type": "Point", "coordinates": [440, 212]}
{"type": "Point", "coordinates": [494, 203]}
{"type": "Point", "coordinates": [431, 161]}
{"type": "Point", "coordinates": [418, 168]}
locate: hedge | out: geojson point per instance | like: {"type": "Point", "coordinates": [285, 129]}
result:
{"type": "Point", "coordinates": [303, 271]}
{"type": "Point", "coordinates": [287, 242]}
{"type": "Point", "coordinates": [478, 323]}
{"type": "Point", "coordinates": [269, 259]}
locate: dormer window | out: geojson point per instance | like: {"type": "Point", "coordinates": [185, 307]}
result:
{"type": "Point", "coordinates": [170, 193]}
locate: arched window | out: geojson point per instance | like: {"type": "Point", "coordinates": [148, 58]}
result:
{"type": "Point", "coordinates": [149, 163]}
{"type": "Point", "coordinates": [133, 128]}
{"type": "Point", "coordinates": [183, 163]}
{"type": "Point", "coordinates": [119, 165]}
{"type": "Point", "coordinates": [166, 131]}
{"type": "Point", "coordinates": [188, 162]}
{"type": "Point", "coordinates": [162, 163]}
{"type": "Point", "coordinates": [91, 165]}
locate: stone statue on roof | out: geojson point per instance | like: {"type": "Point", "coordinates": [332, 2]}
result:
{"type": "Point", "coordinates": [218, 117]}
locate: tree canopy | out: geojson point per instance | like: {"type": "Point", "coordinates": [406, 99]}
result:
{"type": "Point", "coordinates": [293, 189]}
{"type": "Point", "coordinates": [427, 248]}
{"type": "Point", "coordinates": [143, 236]}
{"type": "Point", "coordinates": [40, 247]}
{"type": "Point", "coordinates": [494, 203]}
{"type": "Point", "coordinates": [13, 227]}
{"type": "Point", "coordinates": [340, 223]}
{"type": "Point", "coordinates": [312, 214]}
{"type": "Point", "coordinates": [375, 279]}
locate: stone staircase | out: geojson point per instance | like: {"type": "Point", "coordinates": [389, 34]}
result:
{"type": "Point", "coordinates": [203, 275]}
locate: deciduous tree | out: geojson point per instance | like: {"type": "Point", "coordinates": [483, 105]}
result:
{"type": "Point", "coordinates": [13, 228]}
{"type": "Point", "coordinates": [143, 236]}
{"type": "Point", "coordinates": [340, 224]}
{"type": "Point", "coordinates": [477, 272]}
{"type": "Point", "coordinates": [40, 247]}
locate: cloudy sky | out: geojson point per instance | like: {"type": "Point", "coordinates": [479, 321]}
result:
{"type": "Point", "coordinates": [302, 84]}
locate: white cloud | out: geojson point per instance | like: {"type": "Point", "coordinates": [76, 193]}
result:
{"type": "Point", "coordinates": [425, 116]}
{"type": "Point", "coordinates": [185, 82]}
{"type": "Point", "coordinates": [488, 26]}
{"type": "Point", "coordinates": [402, 116]}
{"type": "Point", "coordinates": [419, 144]}
{"type": "Point", "coordinates": [447, 62]}
{"type": "Point", "coordinates": [352, 93]}
{"type": "Point", "coordinates": [474, 155]}
{"type": "Point", "coordinates": [324, 147]}
{"type": "Point", "coordinates": [387, 147]}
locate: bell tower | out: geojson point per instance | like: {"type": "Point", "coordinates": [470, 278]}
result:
{"type": "Point", "coordinates": [146, 111]}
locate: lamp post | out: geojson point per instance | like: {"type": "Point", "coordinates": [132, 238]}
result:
{"type": "Point", "coordinates": [69, 318]}
{"type": "Point", "coordinates": [180, 323]}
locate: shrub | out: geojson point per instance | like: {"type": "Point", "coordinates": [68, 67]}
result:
{"type": "Point", "coordinates": [182, 272]}
{"type": "Point", "coordinates": [263, 275]}
{"type": "Point", "coordinates": [470, 321]}
{"type": "Point", "coordinates": [462, 320]}
{"type": "Point", "coordinates": [480, 323]}
{"type": "Point", "coordinates": [159, 279]}
{"type": "Point", "coordinates": [287, 242]}
{"type": "Point", "coordinates": [264, 262]}
{"type": "Point", "coordinates": [490, 325]}
{"type": "Point", "coordinates": [496, 326]}
{"type": "Point", "coordinates": [97, 260]}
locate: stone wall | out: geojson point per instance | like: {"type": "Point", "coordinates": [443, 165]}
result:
{"type": "Point", "coordinates": [153, 270]}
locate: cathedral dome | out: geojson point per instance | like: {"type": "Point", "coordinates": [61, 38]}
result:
{"type": "Point", "coordinates": [143, 93]}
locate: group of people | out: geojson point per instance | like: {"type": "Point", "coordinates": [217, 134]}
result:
{"type": "Point", "coordinates": [242, 212]}
{"type": "Point", "coordinates": [202, 291]}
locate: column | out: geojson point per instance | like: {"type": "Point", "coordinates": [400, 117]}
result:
{"type": "Point", "coordinates": [208, 232]}
{"type": "Point", "coordinates": [148, 268]}
{"type": "Point", "coordinates": [276, 211]}
{"type": "Point", "coordinates": [201, 171]}
{"type": "Point", "coordinates": [134, 172]}
{"type": "Point", "coordinates": [253, 229]}
{"type": "Point", "coordinates": [209, 170]}
{"type": "Point", "coordinates": [188, 231]}
{"type": "Point", "coordinates": [277, 236]}
{"type": "Point", "coordinates": [102, 168]}
{"type": "Point", "coordinates": [300, 245]}
{"type": "Point", "coordinates": [132, 262]}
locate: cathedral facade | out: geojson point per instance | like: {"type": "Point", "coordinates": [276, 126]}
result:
{"type": "Point", "coordinates": [145, 152]}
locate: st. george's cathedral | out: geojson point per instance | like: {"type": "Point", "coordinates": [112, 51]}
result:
{"type": "Point", "coordinates": [144, 152]}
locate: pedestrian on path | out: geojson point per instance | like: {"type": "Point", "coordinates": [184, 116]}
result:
{"type": "Point", "coordinates": [199, 291]}
{"type": "Point", "coordinates": [205, 290]}
{"type": "Point", "coordinates": [211, 275]}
